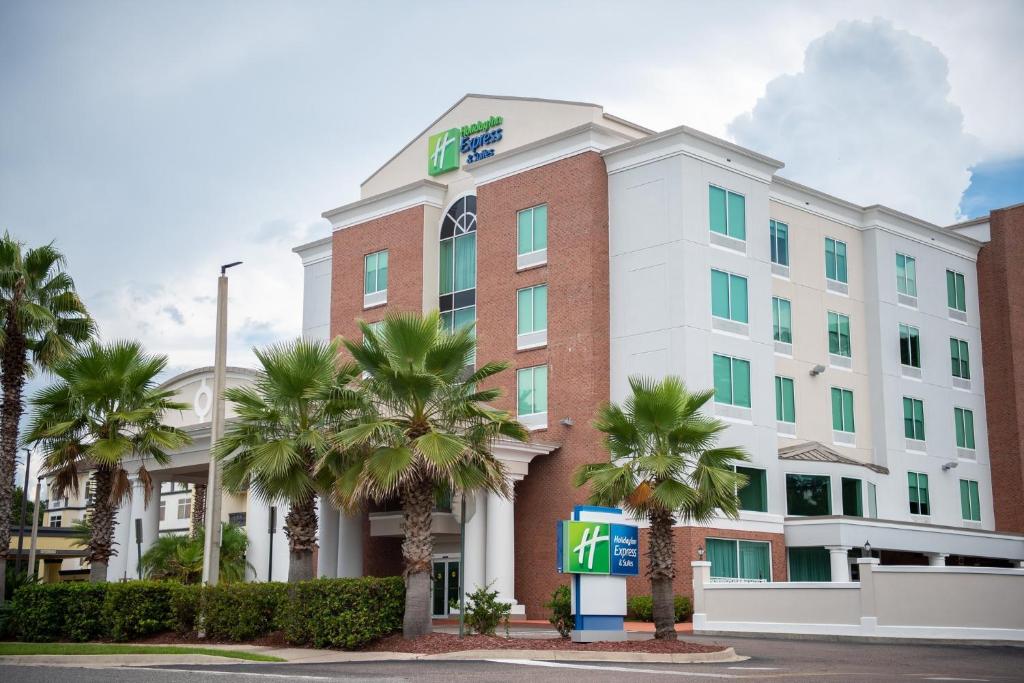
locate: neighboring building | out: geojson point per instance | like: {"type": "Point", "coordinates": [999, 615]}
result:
{"type": "Point", "coordinates": [1001, 289]}
{"type": "Point", "coordinates": [843, 342]}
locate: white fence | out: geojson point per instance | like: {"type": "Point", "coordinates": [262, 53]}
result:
{"type": "Point", "coordinates": [977, 603]}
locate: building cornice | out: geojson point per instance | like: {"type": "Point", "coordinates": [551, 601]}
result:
{"type": "Point", "coordinates": [686, 141]}
{"type": "Point", "coordinates": [315, 251]}
{"type": "Point", "coordinates": [588, 137]}
{"type": "Point", "coordinates": [419, 193]}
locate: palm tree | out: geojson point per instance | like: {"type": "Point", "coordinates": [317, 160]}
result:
{"type": "Point", "coordinates": [664, 467]}
{"type": "Point", "coordinates": [180, 557]}
{"type": "Point", "coordinates": [422, 429]}
{"type": "Point", "coordinates": [104, 409]}
{"type": "Point", "coordinates": [278, 444]}
{"type": "Point", "coordinates": [41, 321]}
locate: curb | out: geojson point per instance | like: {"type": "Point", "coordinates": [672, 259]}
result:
{"type": "Point", "coordinates": [125, 660]}
{"type": "Point", "coordinates": [722, 656]}
{"type": "Point", "coordinates": [843, 638]}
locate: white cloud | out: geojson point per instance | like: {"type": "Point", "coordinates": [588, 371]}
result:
{"type": "Point", "coordinates": [868, 119]}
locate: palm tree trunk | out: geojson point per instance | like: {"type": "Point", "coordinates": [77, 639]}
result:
{"type": "Point", "coordinates": [12, 378]}
{"type": "Point", "coordinates": [102, 523]}
{"type": "Point", "coordinates": [198, 509]}
{"type": "Point", "coordinates": [661, 572]}
{"type": "Point", "coordinates": [417, 552]}
{"type": "Point", "coordinates": [300, 527]}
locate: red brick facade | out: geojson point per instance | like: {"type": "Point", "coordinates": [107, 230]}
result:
{"type": "Point", "coordinates": [401, 234]}
{"type": "Point", "coordinates": [577, 353]}
{"type": "Point", "coordinates": [1001, 291]}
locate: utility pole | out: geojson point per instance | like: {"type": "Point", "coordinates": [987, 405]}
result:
{"type": "Point", "coordinates": [211, 551]}
{"type": "Point", "coordinates": [24, 509]}
{"type": "Point", "coordinates": [35, 528]}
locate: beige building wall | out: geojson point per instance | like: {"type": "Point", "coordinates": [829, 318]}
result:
{"type": "Point", "coordinates": [811, 302]}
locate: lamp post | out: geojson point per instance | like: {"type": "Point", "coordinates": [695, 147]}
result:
{"type": "Point", "coordinates": [24, 510]}
{"type": "Point", "coordinates": [211, 551]}
{"type": "Point", "coordinates": [35, 528]}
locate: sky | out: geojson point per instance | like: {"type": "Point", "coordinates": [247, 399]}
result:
{"type": "Point", "coordinates": [154, 141]}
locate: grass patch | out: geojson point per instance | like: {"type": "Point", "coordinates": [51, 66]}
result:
{"type": "Point", "coordinates": [118, 649]}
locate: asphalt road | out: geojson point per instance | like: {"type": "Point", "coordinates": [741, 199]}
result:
{"type": "Point", "coordinates": [770, 660]}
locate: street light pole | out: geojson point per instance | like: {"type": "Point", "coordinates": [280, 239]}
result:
{"type": "Point", "coordinates": [211, 551]}
{"type": "Point", "coordinates": [24, 509]}
{"type": "Point", "coordinates": [35, 528]}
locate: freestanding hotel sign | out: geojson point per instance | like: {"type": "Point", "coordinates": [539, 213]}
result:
{"type": "Point", "coordinates": [600, 552]}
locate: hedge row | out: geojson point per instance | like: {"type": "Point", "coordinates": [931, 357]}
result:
{"type": "Point", "coordinates": [641, 608]}
{"type": "Point", "coordinates": [346, 613]}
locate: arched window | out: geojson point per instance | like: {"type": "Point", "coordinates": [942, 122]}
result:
{"type": "Point", "coordinates": [457, 300]}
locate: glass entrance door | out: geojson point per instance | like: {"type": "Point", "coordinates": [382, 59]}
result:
{"type": "Point", "coordinates": [444, 585]}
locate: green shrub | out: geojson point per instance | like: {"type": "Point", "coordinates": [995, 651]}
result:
{"type": "Point", "coordinates": [484, 612]}
{"type": "Point", "coordinates": [345, 613]}
{"type": "Point", "coordinates": [684, 609]}
{"type": "Point", "coordinates": [186, 601]}
{"type": "Point", "coordinates": [641, 608]}
{"type": "Point", "coordinates": [561, 611]}
{"type": "Point", "coordinates": [242, 611]}
{"type": "Point", "coordinates": [60, 611]}
{"type": "Point", "coordinates": [136, 609]}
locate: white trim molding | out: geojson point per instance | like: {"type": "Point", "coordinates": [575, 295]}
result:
{"type": "Point", "coordinates": [422, 192]}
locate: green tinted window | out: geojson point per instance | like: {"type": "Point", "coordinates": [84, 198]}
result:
{"type": "Point", "coordinates": [728, 296]}
{"type": "Point", "coordinates": [533, 309]}
{"type": "Point", "coordinates": [808, 494]}
{"type": "Point", "coordinates": [732, 381]}
{"type": "Point", "coordinates": [970, 501]}
{"type": "Point", "coordinates": [956, 294]}
{"type": "Point", "coordinates": [913, 418]}
{"type": "Point", "coordinates": [839, 334]}
{"type": "Point", "coordinates": [754, 495]}
{"type": "Point", "coordinates": [960, 356]}
{"type": "Point", "coordinates": [910, 346]}
{"type": "Point", "coordinates": [532, 227]}
{"type": "Point", "coordinates": [906, 275]}
{"type": "Point", "coordinates": [964, 422]}
{"type": "Point", "coordinates": [375, 272]}
{"type": "Point", "coordinates": [782, 320]}
{"type": "Point", "coordinates": [842, 410]}
{"type": "Point", "coordinates": [779, 236]}
{"type": "Point", "coordinates": [835, 260]}
{"type": "Point", "coordinates": [532, 390]}
{"type": "Point", "coordinates": [727, 213]}
{"type": "Point", "coordinates": [785, 409]}
{"type": "Point", "coordinates": [918, 486]}
{"type": "Point", "coordinates": [852, 498]}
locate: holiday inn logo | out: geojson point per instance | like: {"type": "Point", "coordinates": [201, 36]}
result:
{"type": "Point", "coordinates": [443, 152]}
{"type": "Point", "coordinates": [587, 548]}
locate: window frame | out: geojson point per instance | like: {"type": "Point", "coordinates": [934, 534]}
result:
{"type": "Point", "coordinates": [839, 334]}
{"type": "Point", "coordinates": [905, 279]}
{"type": "Point", "coordinates": [728, 223]}
{"type": "Point", "coordinates": [913, 332]}
{"type": "Point", "coordinates": [842, 409]}
{"type": "Point", "coordinates": [538, 418]}
{"type": "Point", "coordinates": [732, 381]}
{"type": "Point", "coordinates": [959, 296]}
{"type": "Point", "coordinates": [914, 404]}
{"type": "Point", "coordinates": [533, 333]}
{"type": "Point", "coordinates": [973, 500]}
{"type": "Point", "coordinates": [780, 402]}
{"type": "Point", "coordinates": [860, 496]}
{"type": "Point", "coordinates": [960, 424]}
{"type": "Point", "coordinates": [533, 251]}
{"type": "Point", "coordinates": [960, 361]}
{"type": "Point", "coordinates": [835, 260]}
{"type": "Point", "coordinates": [773, 237]}
{"type": "Point", "coordinates": [376, 295]}
{"type": "Point", "coordinates": [736, 545]}
{"type": "Point", "coordinates": [826, 477]}
{"type": "Point", "coordinates": [764, 486]}
{"type": "Point", "coordinates": [777, 306]}
{"type": "Point", "coordinates": [925, 507]}
{"type": "Point", "coordinates": [186, 503]}
{"type": "Point", "coordinates": [729, 292]}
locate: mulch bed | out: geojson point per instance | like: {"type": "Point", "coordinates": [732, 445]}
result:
{"type": "Point", "coordinates": [449, 642]}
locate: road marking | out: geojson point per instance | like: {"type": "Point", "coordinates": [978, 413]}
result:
{"type": "Point", "coordinates": [755, 668]}
{"type": "Point", "coordinates": [291, 677]}
{"type": "Point", "coordinates": [624, 669]}
{"type": "Point", "coordinates": [951, 678]}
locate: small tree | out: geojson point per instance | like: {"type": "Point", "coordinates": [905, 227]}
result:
{"type": "Point", "coordinates": [104, 409]}
{"type": "Point", "coordinates": [423, 427]}
{"type": "Point", "coordinates": [664, 467]}
{"type": "Point", "coordinates": [279, 443]}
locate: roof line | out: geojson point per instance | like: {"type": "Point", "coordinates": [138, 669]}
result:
{"type": "Point", "coordinates": [422, 182]}
{"type": "Point", "coordinates": [492, 97]}
{"type": "Point", "coordinates": [700, 135]}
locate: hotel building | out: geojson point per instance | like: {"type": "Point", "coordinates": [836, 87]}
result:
{"type": "Point", "coordinates": [844, 343]}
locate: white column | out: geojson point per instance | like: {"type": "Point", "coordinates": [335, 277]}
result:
{"type": "Point", "coordinates": [839, 562]}
{"type": "Point", "coordinates": [327, 538]}
{"type": "Point", "coordinates": [473, 565]}
{"type": "Point", "coordinates": [256, 519]}
{"type": "Point", "coordinates": [868, 608]}
{"type": "Point", "coordinates": [131, 548]}
{"type": "Point", "coordinates": [500, 549]}
{"type": "Point", "coordinates": [937, 559]}
{"type": "Point", "coordinates": [150, 516]}
{"type": "Point", "coordinates": [117, 566]}
{"type": "Point", "coordinates": [701, 576]}
{"type": "Point", "coordinates": [350, 545]}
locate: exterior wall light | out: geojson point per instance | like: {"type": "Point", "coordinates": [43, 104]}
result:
{"type": "Point", "coordinates": [817, 370]}
{"type": "Point", "coordinates": [700, 552]}
{"type": "Point", "coordinates": [867, 548]}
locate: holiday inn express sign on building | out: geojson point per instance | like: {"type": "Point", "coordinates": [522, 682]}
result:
{"type": "Point", "coordinates": [445, 149]}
